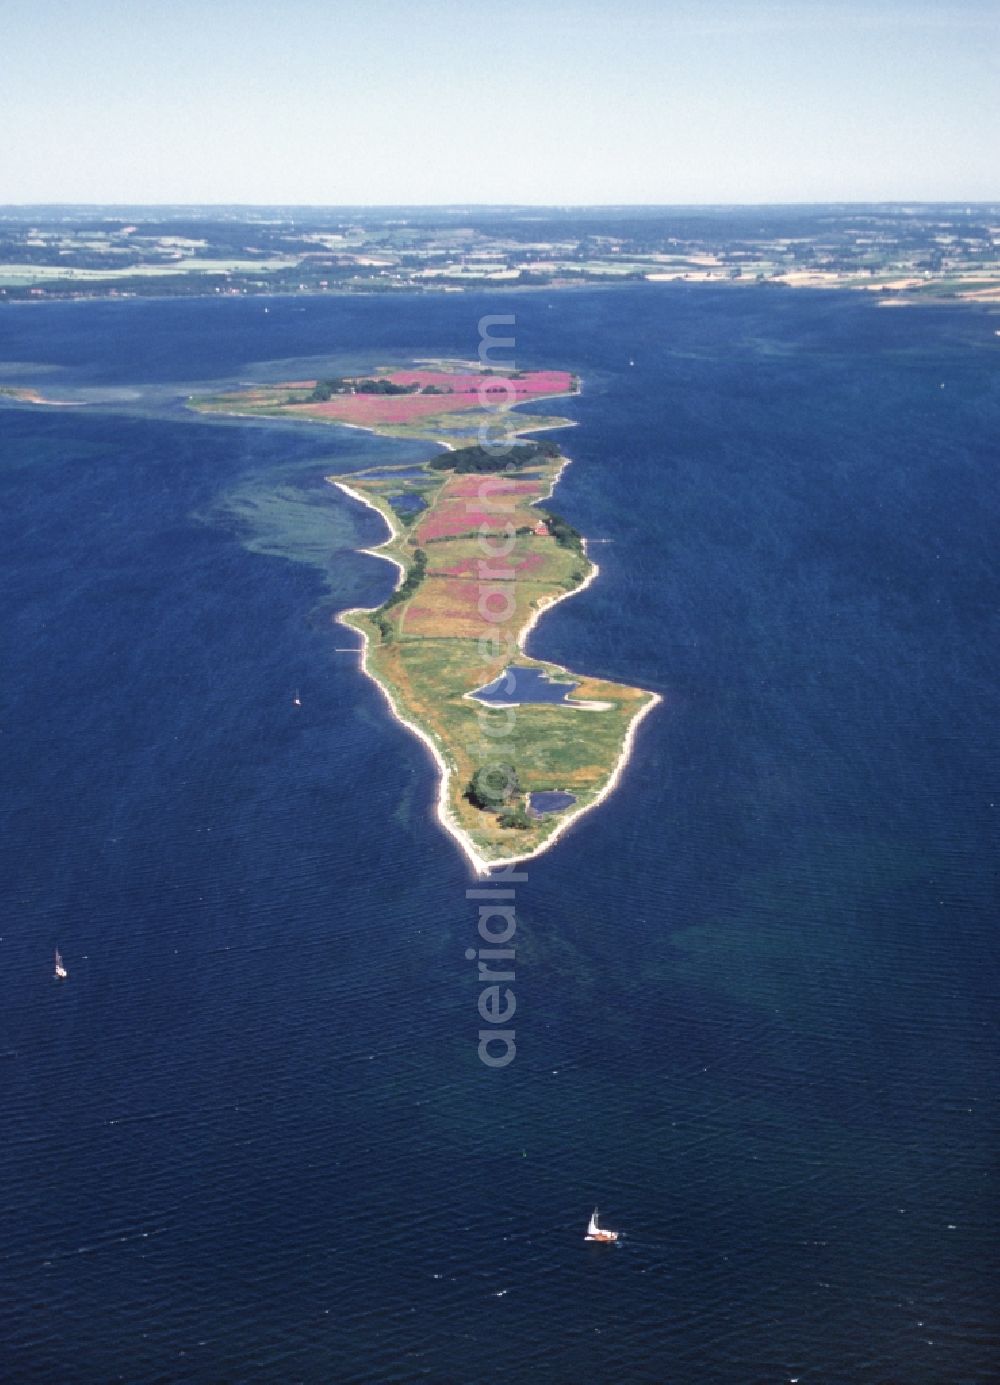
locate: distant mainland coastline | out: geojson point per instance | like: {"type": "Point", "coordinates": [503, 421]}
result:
{"type": "Point", "coordinates": [903, 253]}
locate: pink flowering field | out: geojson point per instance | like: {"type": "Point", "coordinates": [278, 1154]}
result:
{"type": "Point", "coordinates": [463, 391]}
{"type": "Point", "coordinates": [486, 487]}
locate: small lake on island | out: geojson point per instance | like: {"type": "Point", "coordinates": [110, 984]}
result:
{"type": "Point", "coordinates": [401, 473]}
{"type": "Point", "coordinates": [408, 504]}
{"type": "Point", "coordinates": [518, 685]}
{"type": "Point", "coordinates": [549, 801]}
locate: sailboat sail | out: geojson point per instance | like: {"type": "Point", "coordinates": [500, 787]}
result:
{"type": "Point", "coordinates": [599, 1233]}
{"type": "Point", "coordinates": [60, 972]}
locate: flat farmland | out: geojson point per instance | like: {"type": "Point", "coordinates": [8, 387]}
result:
{"type": "Point", "coordinates": [449, 607]}
{"type": "Point", "coordinates": [535, 558]}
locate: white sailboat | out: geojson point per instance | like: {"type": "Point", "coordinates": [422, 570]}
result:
{"type": "Point", "coordinates": [60, 973]}
{"type": "Point", "coordinates": [598, 1233]}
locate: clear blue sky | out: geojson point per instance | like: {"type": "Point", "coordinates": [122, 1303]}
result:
{"type": "Point", "coordinates": [544, 101]}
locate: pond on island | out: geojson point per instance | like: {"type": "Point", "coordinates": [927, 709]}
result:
{"type": "Point", "coordinates": [408, 504]}
{"type": "Point", "coordinates": [549, 801]}
{"type": "Point", "coordinates": [395, 473]}
{"type": "Point", "coordinates": [517, 685]}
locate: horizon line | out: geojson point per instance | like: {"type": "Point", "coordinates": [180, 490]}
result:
{"type": "Point", "coordinates": [511, 206]}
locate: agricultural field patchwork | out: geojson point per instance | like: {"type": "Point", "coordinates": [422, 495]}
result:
{"type": "Point", "coordinates": [435, 404]}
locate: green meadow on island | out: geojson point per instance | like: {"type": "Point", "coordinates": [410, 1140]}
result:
{"type": "Point", "coordinates": [480, 557]}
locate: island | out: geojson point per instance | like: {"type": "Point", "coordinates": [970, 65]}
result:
{"type": "Point", "coordinates": [25, 394]}
{"type": "Point", "coordinates": [523, 745]}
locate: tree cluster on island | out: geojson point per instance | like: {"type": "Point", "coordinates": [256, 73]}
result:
{"type": "Point", "coordinates": [516, 817]}
{"type": "Point", "coordinates": [493, 786]}
{"type": "Point", "coordinates": [564, 533]}
{"type": "Point", "coordinates": [326, 389]}
{"type": "Point", "coordinates": [477, 458]}
{"type": "Point", "coordinates": [496, 789]}
{"type": "Point", "coordinates": [403, 592]}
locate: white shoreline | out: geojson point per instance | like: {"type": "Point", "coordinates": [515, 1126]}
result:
{"type": "Point", "coordinates": [42, 403]}
{"type": "Point", "coordinates": [479, 863]}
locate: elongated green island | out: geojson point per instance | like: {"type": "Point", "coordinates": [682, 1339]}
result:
{"type": "Point", "coordinates": [523, 745]}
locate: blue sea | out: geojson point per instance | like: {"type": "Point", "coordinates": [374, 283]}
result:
{"type": "Point", "coordinates": [250, 1139]}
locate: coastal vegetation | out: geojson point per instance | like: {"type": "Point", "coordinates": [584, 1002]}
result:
{"type": "Point", "coordinates": [409, 584]}
{"type": "Point", "coordinates": [326, 389]}
{"type": "Point", "coordinates": [492, 786]}
{"type": "Point", "coordinates": [476, 458]}
{"type": "Point", "coordinates": [517, 818]}
{"type": "Point", "coordinates": [564, 533]}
